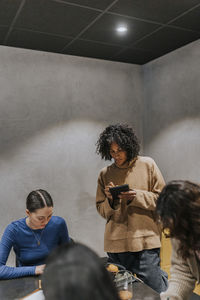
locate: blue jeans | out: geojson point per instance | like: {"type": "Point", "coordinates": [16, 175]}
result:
{"type": "Point", "coordinates": [146, 265]}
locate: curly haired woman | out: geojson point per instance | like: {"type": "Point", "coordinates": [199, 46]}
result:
{"type": "Point", "coordinates": [132, 236]}
{"type": "Point", "coordinates": [179, 209]}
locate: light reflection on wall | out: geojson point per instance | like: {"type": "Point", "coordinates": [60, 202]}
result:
{"type": "Point", "coordinates": [61, 159]}
{"type": "Point", "coordinates": [177, 150]}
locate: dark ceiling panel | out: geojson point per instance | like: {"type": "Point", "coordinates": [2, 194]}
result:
{"type": "Point", "coordinates": [167, 39]}
{"type": "Point", "coordinates": [36, 41]}
{"type": "Point", "coordinates": [54, 17]}
{"type": "Point", "coordinates": [88, 27]}
{"type": "Point", "coordinates": [3, 32]}
{"type": "Point", "coordinates": [8, 10]}
{"type": "Point", "coordinates": [155, 10]}
{"type": "Point", "coordinates": [191, 20]}
{"type": "Point", "coordinates": [92, 49]}
{"type": "Point", "coordinates": [105, 30]}
{"type": "Point", "coordinates": [135, 56]}
{"type": "Point", "coordinates": [102, 4]}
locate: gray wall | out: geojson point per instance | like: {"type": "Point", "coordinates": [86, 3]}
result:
{"type": "Point", "coordinates": [52, 109]}
{"type": "Point", "coordinates": [172, 112]}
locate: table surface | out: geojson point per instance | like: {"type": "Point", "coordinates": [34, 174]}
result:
{"type": "Point", "coordinates": [18, 288]}
{"type": "Point", "coordinates": [143, 292]}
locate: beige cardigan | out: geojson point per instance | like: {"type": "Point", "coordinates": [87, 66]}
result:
{"type": "Point", "coordinates": [131, 227]}
{"type": "Point", "coordinates": [184, 274]}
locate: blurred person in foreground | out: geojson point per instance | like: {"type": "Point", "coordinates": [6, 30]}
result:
{"type": "Point", "coordinates": [74, 271]}
{"type": "Point", "coordinates": [178, 207]}
{"type": "Point", "coordinates": [132, 236]}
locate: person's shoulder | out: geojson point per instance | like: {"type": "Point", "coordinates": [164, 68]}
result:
{"type": "Point", "coordinates": [57, 220]}
{"type": "Point", "coordinates": [146, 160]}
{"type": "Point", "coordinates": [14, 226]}
{"type": "Point", "coordinates": [175, 243]}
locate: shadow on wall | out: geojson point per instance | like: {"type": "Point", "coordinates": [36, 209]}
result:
{"type": "Point", "coordinates": [61, 159]}
{"type": "Point", "coordinates": [171, 90]}
{"type": "Point", "coordinates": [40, 91]}
{"type": "Point", "coordinates": [19, 130]}
{"type": "Point", "coordinates": [85, 199]}
{"type": "Point", "coordinates": [176, 150]}
{"type": "Point", "coordinates": [62, 156]}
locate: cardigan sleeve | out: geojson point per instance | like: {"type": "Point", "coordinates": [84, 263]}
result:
{"type": "Point", "coordinates": [182, 281]}
{"type": "Point", "coordinates": [147, 199]}
{"type": "Point", "coordinates": [7, 242]}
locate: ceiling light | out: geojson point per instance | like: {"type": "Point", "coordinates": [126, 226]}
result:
{"type": "Point", "coordinates": [121, 29]}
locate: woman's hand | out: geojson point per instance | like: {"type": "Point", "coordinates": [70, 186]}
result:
{"type": "Point", "coordinates": [127, 196]}
{"type": "Point", "coordinates": [108, 194]}
{"type": "Point", "coordinates": [39, 269]}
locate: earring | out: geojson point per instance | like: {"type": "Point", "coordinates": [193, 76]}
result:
{"type": "Point", "coordinates": [166, 232]}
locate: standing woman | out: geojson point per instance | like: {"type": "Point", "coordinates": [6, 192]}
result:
{"type": "Point", "coordinates": [132, 236]}
{"type": "Point", "coordinates": [32, 238]}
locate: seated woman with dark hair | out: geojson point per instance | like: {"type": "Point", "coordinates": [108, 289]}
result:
{"type": "Point", "coordinates": [33, 237]}
{"type": "Point", "coordinates": [75, 272]}
{"type": "Point", "coordinates": [179, 209]}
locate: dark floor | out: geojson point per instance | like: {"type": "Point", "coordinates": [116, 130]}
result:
{"type": "Point", "coordinates": [195, 297]}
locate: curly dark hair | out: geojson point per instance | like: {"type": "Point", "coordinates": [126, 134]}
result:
{"type": "Point", "coordinates": [123, 135]}
{"type": "Point", "coordinates": [178, 207]}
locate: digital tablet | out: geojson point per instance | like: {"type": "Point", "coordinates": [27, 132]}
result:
{"type": "Point", "coordinates": [116, 190]}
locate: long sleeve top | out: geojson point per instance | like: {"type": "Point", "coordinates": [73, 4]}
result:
{"type": "Point", "coordinates": [131, 227]}
{"type": "Point", "coordinates": [184, 274]}
{"type": "Point", "coordinates": [24, 241]}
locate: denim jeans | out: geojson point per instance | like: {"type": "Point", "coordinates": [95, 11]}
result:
{"type": "Point", "coordinates": [145, 264]}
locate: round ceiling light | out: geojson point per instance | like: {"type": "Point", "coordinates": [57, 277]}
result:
{"type": "Point", "coordinates": [122, 29]}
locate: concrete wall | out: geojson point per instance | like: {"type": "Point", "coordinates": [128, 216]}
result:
{"type": "Point", "coordinates": [52, 109]}
{"type": "Point", "coordinates": [172, 112]}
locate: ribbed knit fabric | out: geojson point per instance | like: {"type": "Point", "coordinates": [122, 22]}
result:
{"type": "Point", "coordinates": [131, 227]}
{"type": "Point", "coordinates": [184, 274]}
{"type": "Point", "coordinates": [23, 240]}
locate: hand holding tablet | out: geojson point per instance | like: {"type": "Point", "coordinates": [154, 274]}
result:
{"type": "Point", "coordinates": [122, 192]}
{"type": "Point", "coordinates": [116, 190]}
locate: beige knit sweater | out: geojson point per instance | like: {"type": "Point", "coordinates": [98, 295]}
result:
{"type": "Point", "coordinates": [184, 274]}
{"type": "Point", "coordinates": [131, 227]}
